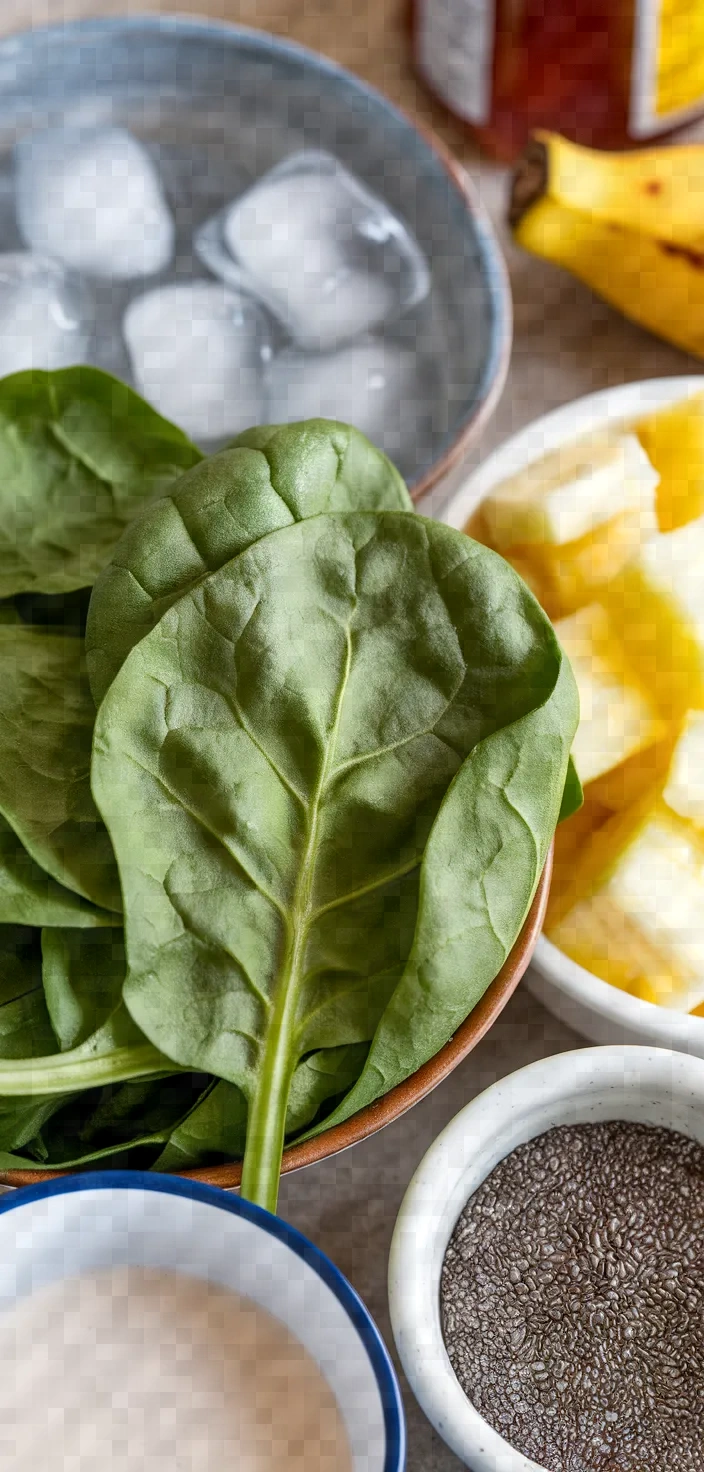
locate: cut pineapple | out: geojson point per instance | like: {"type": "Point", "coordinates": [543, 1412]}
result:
{"type": "Point", "coordinates": [684, 789]}
{"type": "Point", "coordinates": [634, 911]}
{"type": "Point", "coordinates": [674, 442]}
{"type": "Point", "coordinates": [657, 604]}
{"type": "Point", "coordinates": [572, 491]}
{"type": "Point", "coordinates": [617, 717]}
{"type": "Point", "coordinates": [633, 778]}
{"type": "Point", "coordinates": [566, 577]}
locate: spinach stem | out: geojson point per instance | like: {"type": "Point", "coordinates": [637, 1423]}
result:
{"type": "Point", "coordinates": [63, 1073]}
{"type": "Point", "coordinates": [266, 1123]}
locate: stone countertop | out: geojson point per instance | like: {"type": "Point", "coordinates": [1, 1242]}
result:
{"type": "Point", "coordinates": [566, 343]}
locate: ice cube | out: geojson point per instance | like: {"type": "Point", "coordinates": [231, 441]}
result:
{"type": "Point", "coordinates": [92, 197]}
{"type": "Point", "coordinates": [198, 352]}
{"type": "Point", "coordinates": [374, 385]}
{"type": "Point", "coordinates": [327, 256]}
{"type": "Point", "coordinates": [43, 314]}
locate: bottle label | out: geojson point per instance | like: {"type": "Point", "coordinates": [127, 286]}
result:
{"type": "Point", "coordinates": [455, 49]}
{"type": "Point", "coordinates": [668, 64]}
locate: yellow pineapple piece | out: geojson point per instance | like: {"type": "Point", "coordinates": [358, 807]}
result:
{"type": "Point", "coordinates": [570, 492]}
{"type": "Point", "coordinates": [633, 778]}
{"type": "Point", "coordinates": [674, 442]}
{"type": "Point", "coordinates": [657, 604]}
{"type": "Point", "coordinates": [684, 788]}
{"type": "Point", "coordinates": [617, 715]}
{"type": "Point", "coordinates": [632, 910]}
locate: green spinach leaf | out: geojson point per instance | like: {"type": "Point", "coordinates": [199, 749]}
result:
{"type": "Point", "coordinates": [46, 730]}
{"type": "Point", "coordinates": [80, 455]}
{"type": "Point", "coordinates": [29, 897]}
{"type": "Point", "coordinates": [217, 1127]}
{"type": "Point", "coordinates": [268, 479]}
{"type": "Point", "coordinates": [25, 1031]}
{"type": "Point", "coordinates": [270, 762]}
{"type": "Point", "coordinates": [83, 976]}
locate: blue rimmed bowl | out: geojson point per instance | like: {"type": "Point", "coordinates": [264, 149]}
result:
{"type": "Point", "coordinates": [80, 1224]}
{"type": "Point", "coordinates": [217, 106]}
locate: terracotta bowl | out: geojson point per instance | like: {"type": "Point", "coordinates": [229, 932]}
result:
{"type": "Point", "coordinates": [392, 1105]}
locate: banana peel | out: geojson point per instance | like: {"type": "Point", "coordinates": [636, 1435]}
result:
{"type": "Point", "coordinates": [631, 226]}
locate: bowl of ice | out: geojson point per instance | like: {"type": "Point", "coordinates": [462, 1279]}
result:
{"type": "Point", "coordinates": [247, 234]}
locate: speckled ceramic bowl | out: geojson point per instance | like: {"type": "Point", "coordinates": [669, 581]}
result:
{"type": "Point", "coordinates": [217, 106]}
{"type": "Point", "coordinates": [647, 1085]}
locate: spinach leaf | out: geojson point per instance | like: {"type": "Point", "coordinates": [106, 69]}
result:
{"type": "Point", "coordinates": [82, 975]}
{"type": "Point", "coordinates": [123, 1124]}
{"type": "Point", "coordinates": [25, 1031]}
{"type": "Point", "coordinates": [80, 455]}
{"type": "Point", "coordinates": [217, 1127]}
{"type": "Point", "coordinates": [270, 762]}
{"type": "Point", "coordinates": [29, 897]}
{"type": "Point", "coordinates": [46, 730]}
{"type": "Point", "coordinates": [268, 479]}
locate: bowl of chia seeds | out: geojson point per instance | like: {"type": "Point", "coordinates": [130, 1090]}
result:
{"type": "Point", "coordinates": [546, 1276]}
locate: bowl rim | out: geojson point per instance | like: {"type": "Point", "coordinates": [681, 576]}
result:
{"type": "Point", "coordinates": [606, 407]}
{"type": "Point", "coordinates": [390, 1106]}
{"type": "Point", "coordinates": [349, 1300]}
{"type": "Point", "coordinates": [616, 1006]}
{"type": "Point", "coordinates": [493, 268]}
{"type": "Point", "coordinates": [557, 1082]}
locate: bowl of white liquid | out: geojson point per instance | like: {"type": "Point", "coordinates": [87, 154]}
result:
{"type": "Point", "coordinates": [248, 234]}
{"type": "Point", "coordinates": [161, 1324]}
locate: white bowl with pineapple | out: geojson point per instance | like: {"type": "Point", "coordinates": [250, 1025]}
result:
{"type": "Point", "coordinates": [600, 506]}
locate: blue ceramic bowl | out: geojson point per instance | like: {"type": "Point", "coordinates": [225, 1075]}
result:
{"type": "Point", "coordinates": [217, 106]}
{"type": "Point", "coordinates": [84, 1223]}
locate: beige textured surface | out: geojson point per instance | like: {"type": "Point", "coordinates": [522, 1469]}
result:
{"type": "Point", "coordinates": [566, 343]}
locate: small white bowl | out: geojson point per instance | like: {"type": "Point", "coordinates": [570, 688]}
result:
{"type": "Point", "coordinates": [599, 1011]}
{"type": "Point", "coordinates": [83, 1223]}
{"type": "Point", "coordinates": [647, 1085]}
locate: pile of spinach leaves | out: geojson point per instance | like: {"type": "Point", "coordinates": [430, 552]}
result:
{"type": "Point", "coordinates": [274, 797]}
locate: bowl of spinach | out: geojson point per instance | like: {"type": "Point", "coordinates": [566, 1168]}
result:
{"type": "Point", "coordinates": [275, 819]}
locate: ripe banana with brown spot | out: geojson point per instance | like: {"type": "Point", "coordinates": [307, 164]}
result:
{"type": "Point", "coordinates": [630, 225]}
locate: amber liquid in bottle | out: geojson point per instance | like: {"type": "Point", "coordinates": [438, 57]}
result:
{"type": "Point", "coordinates": [565, 65]}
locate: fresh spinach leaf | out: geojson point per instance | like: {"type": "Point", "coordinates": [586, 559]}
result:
{"type": "Point", "coordinates": [46, 730]}
{"type": "Point", "coordinates": [573, 795]}
{"type": "Point", "coordinates": [270, 762]}
{"type": "Point", "coordinates": [29, 897]}
{"type": "Point", "coordinates": [82, 975]}
{"type": "Point", "coordinates": [25, 1031]}
{"type": "Point", "coordinates": [217, 1127]}
{"type": "Point", "coordinates": [80, 455]}
{"type": "Point", "coordinates": [268, 479]}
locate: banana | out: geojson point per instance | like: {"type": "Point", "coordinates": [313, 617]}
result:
{"type": "Point", "coordinates": [631, 226]}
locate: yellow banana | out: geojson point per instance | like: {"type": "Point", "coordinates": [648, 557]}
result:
{"type": "Point", "coordinates": [600, 217]}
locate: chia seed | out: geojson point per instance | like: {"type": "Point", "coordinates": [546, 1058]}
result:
{"type": "Point", "coordinates": [572, 1299]}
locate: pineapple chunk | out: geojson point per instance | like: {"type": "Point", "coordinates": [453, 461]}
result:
{"type": "Point", "coordinates": [632, 779]}
{"type": "Point", "coordinates": [657, 604]}
{"type": "Point", "coordinates": [564, 578]}
{"type": "Point", "coordinates": [674, 442]}
{"type": "Point", "coordinates": [617, 717]}
{"type": "Point", "coordinates": [684, 789]}
{"type": "Point", "coordinates": [570, 492]}
{"type": "Point", "coordinates": [634, 911]}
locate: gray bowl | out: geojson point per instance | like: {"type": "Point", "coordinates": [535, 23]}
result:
{"type": "Point", "coordinates": [217, 106]}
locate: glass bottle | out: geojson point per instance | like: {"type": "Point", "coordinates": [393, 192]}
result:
{"type": "Point", "coordinates": [607, 73]}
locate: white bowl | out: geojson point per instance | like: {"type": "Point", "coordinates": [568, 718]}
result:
{"type": "Point", "coordinates": [648, 1085]}
{"type": "Point", "coordinates": [599, 1011]}
{"type": "Point", "coordinates": [82, 1223]}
